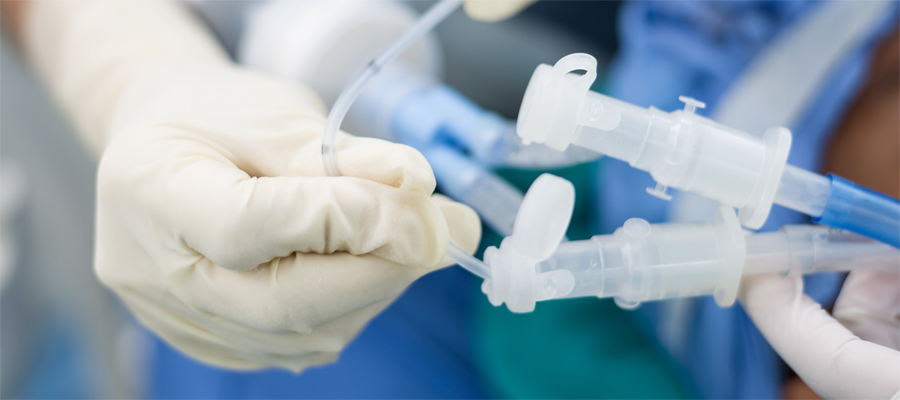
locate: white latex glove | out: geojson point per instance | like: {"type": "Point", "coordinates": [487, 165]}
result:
{"type": "Point", "coordinates": [829, 357]}
{"type": "Point", "coordinates": [494, 10]}
{"type": "Point", "coordinates": [215, 222]}
{"type": "Point", "coordinates": [869, 306]}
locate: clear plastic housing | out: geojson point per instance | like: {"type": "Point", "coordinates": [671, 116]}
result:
{"type": "Point", "coordinates": [679, 149]}
{"type": "Point", "coordinates": [643, 262]}
{"type": "Point", "coordinates": [803, 191]}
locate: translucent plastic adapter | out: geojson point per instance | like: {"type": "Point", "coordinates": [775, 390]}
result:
{"type": "Point", "coordinates": [679, 149]}
{"type": "Point", "coordinates": [643, 262]}
{"type": "Point", "coordinates": [691, 153]}
{"type": "Point", "coordinates": [646, 262]}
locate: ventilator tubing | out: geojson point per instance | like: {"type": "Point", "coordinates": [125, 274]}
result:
{"type": "Point", "coordinates": [495, 199]}
{"type": "Point", "coordinates": [461, 141]}
{"type": "Point", "coordinates": [837, 202]}
{"type": "Point", "coordinates": [861, 210]}
{"type": "Point", "coordinates": [415, 109]}
{"type": "Point", "coordinates": [410, 107]}
{"type": "Point", "coordinates": [692, 153]}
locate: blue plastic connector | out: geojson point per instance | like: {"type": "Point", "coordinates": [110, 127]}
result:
{"type": "Point", "coordinates": [857, 209]}
{"type": "Point", "coordinates": [454, 172]}
{"type": "Point", "coordinates": [441, 115]}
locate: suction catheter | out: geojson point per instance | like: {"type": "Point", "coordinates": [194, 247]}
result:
{"type": "Point", "coordinates": [426, 23]}
{"type": "Point", "coordinates": [644, 262]}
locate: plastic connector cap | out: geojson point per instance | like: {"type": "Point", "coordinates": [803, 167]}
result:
{"type": "Point", "coordinates": [540, 226]}
{"type": "Point", "coordinates": [543, 216]}
{"type": "Point", "coordinates": [552, 100]}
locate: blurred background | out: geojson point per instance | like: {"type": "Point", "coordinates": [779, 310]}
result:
{"type": "Point", "coordinates": [62, 335]}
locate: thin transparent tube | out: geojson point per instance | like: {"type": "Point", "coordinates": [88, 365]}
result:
{"type": "Point", "coordinates": [425, 24]}
{"type": "Point", "coordinates": [468, 262]}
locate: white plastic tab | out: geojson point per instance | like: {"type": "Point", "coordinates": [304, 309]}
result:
{"type": "Point", "coordinates": [543, 217]}
{"type": "Point", "coordinates": [553, 99]}
{"type": "Point", "coordinates": [691, 104]}
{"type": "Point", "coordinates": [660, 191]}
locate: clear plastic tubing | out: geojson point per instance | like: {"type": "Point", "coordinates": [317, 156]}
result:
{"type": "Point", "coordinates": [834, 201]}
{"type": "Point", "coordinates": [468, 262]}
{"type": "Point", "coordinates": [459, 177]}
{"type": "Point", "coordinates": [434, 16]}
{"type": "Point", "coordinates": [805, 249]}
{"type": "Point", "coordinates": [642, 262]}
{"type": "Point", "coordinates": [803, 191]}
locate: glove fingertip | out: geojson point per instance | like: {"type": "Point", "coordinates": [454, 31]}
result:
{"type": "Point", "coordinates": [463, 223]}
{"type": "Point", "coordinates": [392, 164]}
{"type": "Point", "coordinates": [494, 11]}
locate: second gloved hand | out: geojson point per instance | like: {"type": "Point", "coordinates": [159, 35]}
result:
{"type": "Point", "coordinates": [851, 355]}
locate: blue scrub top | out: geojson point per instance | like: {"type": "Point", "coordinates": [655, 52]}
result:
{"type": "Point", "coordinates": [418, 348]}
{"type": "Point", "coordinates": [699, 49]}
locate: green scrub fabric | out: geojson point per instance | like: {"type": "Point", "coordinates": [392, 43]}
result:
{"type": "Point", "coordinates": [576, 348]}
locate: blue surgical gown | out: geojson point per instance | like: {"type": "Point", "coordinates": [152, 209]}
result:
{"type": "Point", "coordinates": [417, 348]}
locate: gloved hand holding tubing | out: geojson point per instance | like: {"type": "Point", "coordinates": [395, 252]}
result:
{"type": "Point", "coordinates": [849, 354]}
{"type": "Point", "coordinates": [216, 224]}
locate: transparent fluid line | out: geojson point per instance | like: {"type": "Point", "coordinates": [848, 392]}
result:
{"type": "Point", "coordinates": [425, 24]}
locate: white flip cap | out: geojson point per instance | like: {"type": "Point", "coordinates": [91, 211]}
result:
{"type": "Point", "coordinates": [540, 226]}
{"type": "Point", "coordinates": [553, 98]}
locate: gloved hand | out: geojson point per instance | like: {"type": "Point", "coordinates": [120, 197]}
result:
{"type": "Point", "coordinates": [494, 10]}
{"type": "Point", "coordinates": [216, 224]}
{"type": "Point", "coordinates": [851, 355]}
